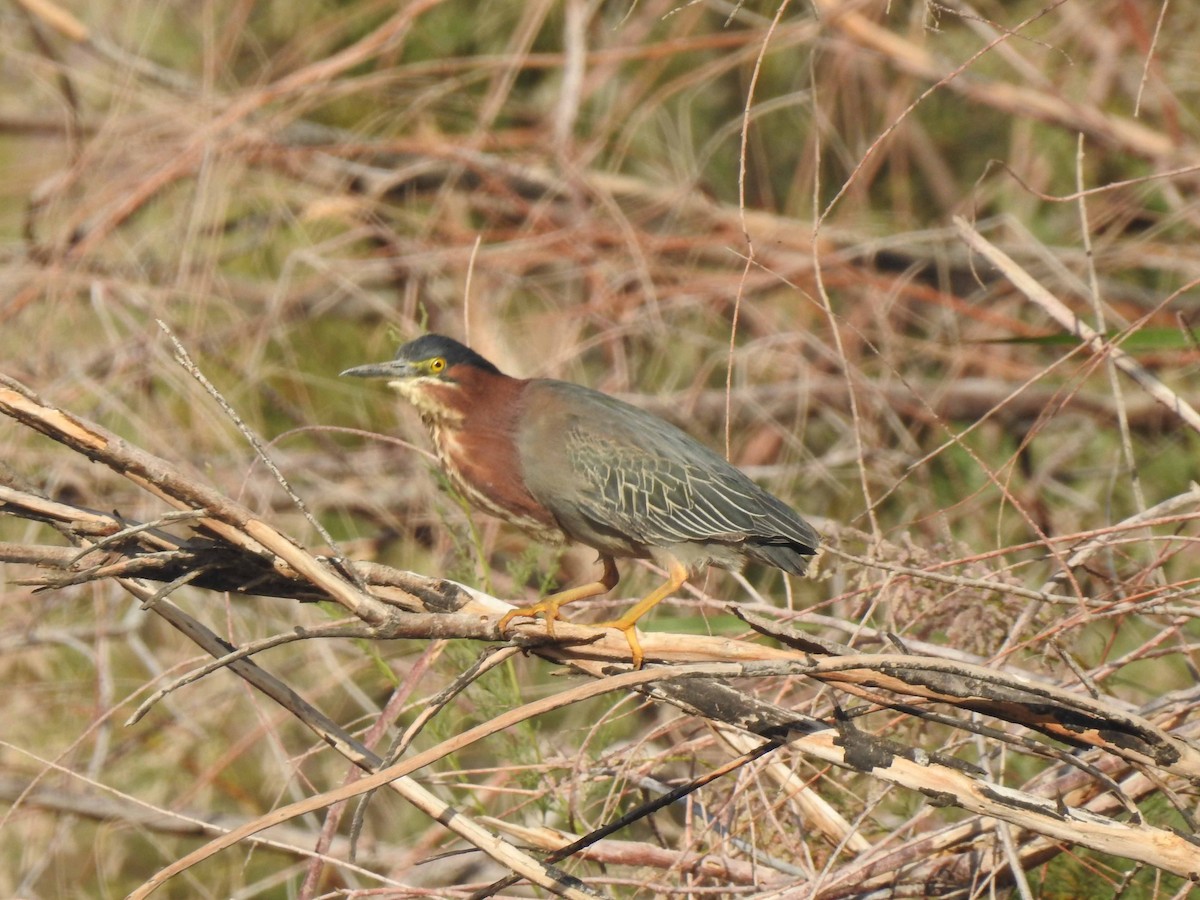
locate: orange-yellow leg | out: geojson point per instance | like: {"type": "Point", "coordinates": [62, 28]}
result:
{"type": "Point", "coordinates": [676, 576]}
{"type": "Point", "coordinates": [548, 607]}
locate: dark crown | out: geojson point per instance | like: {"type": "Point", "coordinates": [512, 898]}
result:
{"type": "Point", "coordinates": [428, 346]}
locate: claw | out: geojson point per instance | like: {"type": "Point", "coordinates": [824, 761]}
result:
{"type": "Point", "coordinates": [630, 632]}
{"type": "Point", "coordinates": [548, 609]}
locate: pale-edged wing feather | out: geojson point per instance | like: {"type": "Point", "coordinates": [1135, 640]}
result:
{"type": "Point", "coordinates": [638, 475]}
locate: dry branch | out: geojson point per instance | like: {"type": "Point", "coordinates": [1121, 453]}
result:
{"type": "Point", "coordinates": [1074, 324]}
{"type": "Point", "coordinates": [1045, 104]}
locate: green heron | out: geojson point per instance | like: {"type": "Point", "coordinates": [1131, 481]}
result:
{"type": "Point", "coordinates": [566, 463]}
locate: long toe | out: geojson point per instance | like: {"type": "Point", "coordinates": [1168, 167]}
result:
{"type": "Point", "coordinates": [547, 609]}
{"type": "Point", "coordinates": [625, 626]}
{"type": "Point", "coordinates": [507, 618]}
{"type": "Point", "coordinates": [635, 647]}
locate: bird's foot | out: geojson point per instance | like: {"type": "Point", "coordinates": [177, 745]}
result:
{"type": "Point", "coordinates": [678, 575]}
{"type": "Point", "coordinates": [626, 625]}
{"type": "Point", "coordinates": [547, 609]}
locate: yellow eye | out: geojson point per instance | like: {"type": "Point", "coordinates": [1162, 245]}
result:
{"type": "Point", "coordinates": [436, 364]}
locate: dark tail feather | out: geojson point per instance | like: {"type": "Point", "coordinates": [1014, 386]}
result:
{"type": "Point", "coordinates": [791, 557]}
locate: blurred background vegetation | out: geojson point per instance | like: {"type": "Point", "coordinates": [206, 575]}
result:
{"type": "Point", "coordinates": [737, 215]}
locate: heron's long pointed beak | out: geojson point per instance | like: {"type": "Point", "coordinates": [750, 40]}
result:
{"type": "Point", "coordinates": [396, 369]}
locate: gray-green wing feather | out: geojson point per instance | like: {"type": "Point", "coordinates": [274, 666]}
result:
{"type": "Point", "coordinates": [638, 475]}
